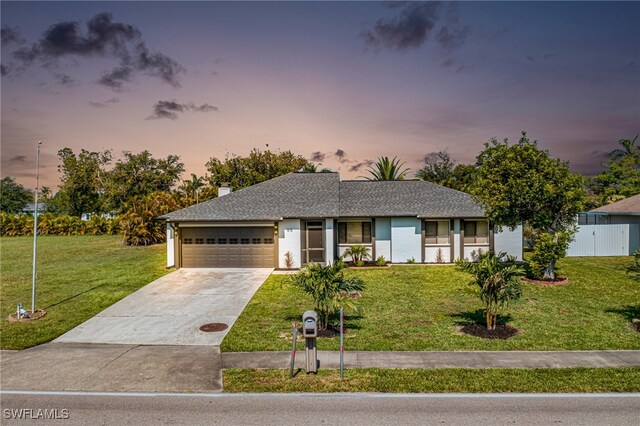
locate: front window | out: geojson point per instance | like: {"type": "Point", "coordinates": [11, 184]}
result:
{"type": "Point", "coordinates": [354, 232]}
{"type": "Point", "coordinates": [437, 232]}
{"type": "Point", "coordinates": [476, 231]}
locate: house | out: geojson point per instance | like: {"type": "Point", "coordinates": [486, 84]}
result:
{"type": "Point", "coordinates": [611, 230]}
{"type": "Point", "coordinates": [316, 216]}
{"type": "Point", "coordinates": [30, 208]}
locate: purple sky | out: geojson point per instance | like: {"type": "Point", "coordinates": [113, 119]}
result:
{"type": "Point", "coordinates": [341, 82]}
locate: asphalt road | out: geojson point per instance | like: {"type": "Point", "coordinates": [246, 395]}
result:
{"type": "Point", "coordinates": [301, 409]}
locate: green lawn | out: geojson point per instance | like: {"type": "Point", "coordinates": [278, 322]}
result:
{"type": "Point", "coordinates": [420, 308]}
{"type": "Point", "coordinates": [77, 278]}
{"type": "Point", "coordinates": [437, 381]}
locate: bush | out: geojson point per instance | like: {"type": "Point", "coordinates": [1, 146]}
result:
{"type": "Point", "coordinates": [411, 260]}
{"type": "Point", "coordinates": [139, 224]}
{"type": "Point", "coordinates": [360, 263]}
{"type": "Point", "coordinates": [358, 253]}
{"type": "Point", "coordinates": [547, 250]}
{"type": "Point", "coordinates": [381, 261]}
{"type": "Point", "coordinates": [328, 287]}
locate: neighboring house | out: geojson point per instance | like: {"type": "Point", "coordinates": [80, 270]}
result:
{"type": "Point", "coordinates": [316, 217]}
{"type": "Point", "coordinates": [30, 208]}
{"type": "Point", "coordinates": [611, 230]}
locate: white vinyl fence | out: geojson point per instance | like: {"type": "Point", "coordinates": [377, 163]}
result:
{"type": "Point", "coordinates": [605, 240]}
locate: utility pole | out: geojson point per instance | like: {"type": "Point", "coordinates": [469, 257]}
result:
{"type": "Point", "coordinates": [35, 233]}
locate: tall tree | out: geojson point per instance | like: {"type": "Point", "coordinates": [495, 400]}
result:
{"type": "Point", "coordinates": [441, 169]}
{"type": "Point", "coordinates": [82, 180]}
{"type": "Point", "coordinates": [191, 188]}
{"type": "Point", "coordinates": [259, 166]}
{"type": "Point", "coordinates": [138, 175]}
{"type": "Point", "coordinates": [522, 183]}
{"type": "Point", "coordinates": [387, 169]}
{"type": "Point", "coordinates": [621, 177]}
{"type": "Point", "coordinates": [13, 196]}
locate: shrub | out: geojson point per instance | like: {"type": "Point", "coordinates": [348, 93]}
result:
{"type": "Point", "coordinates": [329, 289]}
{"type": "Point", "coordinates": [358, 252]}
{"type": "Point", "coordinates": [439, 255]}
{"type": "Point", "coordinates": [411, 260]}
{"type": "Point", "coordinates": [360, 263]}
{"type": "Point", "coordinates": [634, 268]}
{"type": "Point", "coordinates": [381, 261]}
{"type": "Point", "coordinates": [547, 250]}
{"type": "Point", "coordinates": [498, 282]}
{"type": "Point", "coordinates": [139, 223]}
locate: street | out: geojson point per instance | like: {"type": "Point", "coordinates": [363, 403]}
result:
{"type": "Point", "coordinates": [134, 408]}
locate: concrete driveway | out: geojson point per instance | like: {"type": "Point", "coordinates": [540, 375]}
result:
{"type": "Point", "coordinates": [170, 310]}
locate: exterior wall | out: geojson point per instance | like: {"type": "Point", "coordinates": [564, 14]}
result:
{"type": "Point", "coordinates": [406, 239]}
{"type": "Point", "coordinates": [431, 253]}
{"type": "Point", "coordinates": [171, 258]}
{"type": "Point", "coordinates": [471, 251]}
{"type": "Point", "coordinates": [383, 237]}
{"type": "Point", "coordinates": [509, 241]}
{"type": "Point", "coordinates": [605, 240]}
{"type": "Point", "coordinates": [456, 239]}
{"type": "Point", "coordinates": [289, 240]}
{"type": "Point", "coordinates": [329, 241]}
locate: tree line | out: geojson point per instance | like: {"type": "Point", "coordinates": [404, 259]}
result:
{"type": "Point", "coordinates": [516, 183]}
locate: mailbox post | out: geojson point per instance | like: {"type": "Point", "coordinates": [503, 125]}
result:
{"type": "Point", "coordinates": [310, 333]}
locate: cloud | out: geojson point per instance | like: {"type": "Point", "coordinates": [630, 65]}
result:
{"type": "Point", "coordinates": [452, 35]}
{"type": "Point", "coordinates": [409, 30]}
{"type": "Point", "coordinates": [18, 159]}
{"type": "Point", "coordinates": [3, 70]}
{"type": "Point", "coordinates": [64, 80]}
{"type": "Point", "coordinates": [104, 104]}
{"type": "Point", "coordinates": [103, 38]}
{"type": "Point", "coordinates": [340, 155]}
{"type": "Point", "coordinates": [317, 156]}
{"type": "Point", "coordinates": [10, 35]}
{"type": "Point", "coordinates": [530, 58]}
{"type": "Point", "coordinates": [170, 109]}
{"type": "Point", "coordinates": [358, 166]}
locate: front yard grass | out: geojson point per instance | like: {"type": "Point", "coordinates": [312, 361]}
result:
{"type": "Point", "coordinates": [77, 278]}
{"type": "Point", "coordinates": [437, 381]}
{"type": "Point", "coordinates": [418, 308]}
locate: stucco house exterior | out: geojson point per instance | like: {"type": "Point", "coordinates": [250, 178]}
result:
{"type": "Point", "coordinates": [316, 216]}
{"type": "Point", "coordinates": [611, 230]}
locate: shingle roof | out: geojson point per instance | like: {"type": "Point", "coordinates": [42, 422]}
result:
{"type": "Point", "coordinates": [405, 198]}
{"type": "Point", "coordinates": [303, 195]}
{"type": "Point", "coordinates": [628, 205]}
{"type": "Point", "coordinates": [318, 195]}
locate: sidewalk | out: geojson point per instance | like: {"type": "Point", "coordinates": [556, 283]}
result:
{"type": "Point", "coordinates": [463, 359]}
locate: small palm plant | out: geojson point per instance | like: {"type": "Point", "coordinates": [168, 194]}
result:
{"type": "Point", "coordinates": [329, 289]}
{"type": "Point", "coordinates": [498, 282]}
{"type": "Point", "coordinates": [358, 253]}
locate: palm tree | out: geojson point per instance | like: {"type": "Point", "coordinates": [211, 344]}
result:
{"type": "Point", "coordinates": [498, 282]}
{"type": "Point", "coordinates": [629, 149]}
{"type": "Point", "coordinates": [191, 188]}
{"type": "Point", "coordinates": [387, 169]}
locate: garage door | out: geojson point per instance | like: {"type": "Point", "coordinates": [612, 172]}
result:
{"type": "Point", "coordinates": [228, 247]}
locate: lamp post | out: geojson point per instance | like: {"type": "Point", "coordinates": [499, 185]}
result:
{"type": "Point", "coordinates": [35, 233]}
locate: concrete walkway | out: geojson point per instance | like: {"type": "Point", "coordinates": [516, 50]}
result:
{"type": "Point", "coordinates": [112, 368]}
{"type": "Point", "coordinates": [170, 310]}
{"type": "Point", "coordinates": [463, 359]}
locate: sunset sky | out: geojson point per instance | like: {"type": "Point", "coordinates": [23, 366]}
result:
{"type": "Point", "coordinates": [340, 83]}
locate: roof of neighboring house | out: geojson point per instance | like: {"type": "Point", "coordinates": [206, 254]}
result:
{"type": "Point", "coordinates": [322, 195]}
{"type": "Point", "coordinates": [628, 205]}
{"type": "Point", "coordinates": [30, 207]}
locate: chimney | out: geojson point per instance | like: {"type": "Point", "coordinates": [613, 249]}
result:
{"type": "Point", "coordinates": [224, 189]}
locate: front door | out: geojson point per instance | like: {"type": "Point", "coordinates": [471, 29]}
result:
{"type": "Point", "coordinates": [313, 246]}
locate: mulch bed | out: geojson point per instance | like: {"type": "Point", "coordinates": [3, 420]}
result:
{"type": "Point", "coordinates": [502, 331]}
{"type": "Point", "coordinates": [330, 332]}
{"type": "Point", "coordinates": [557, 281]}
{"type": "Point", "coordinates": [39, 314]}
{"type": "Point", "coordinates": [369, 265]}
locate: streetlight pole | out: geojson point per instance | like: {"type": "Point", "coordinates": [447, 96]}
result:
{"type": "Point", "coordinates": [35, 233]}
